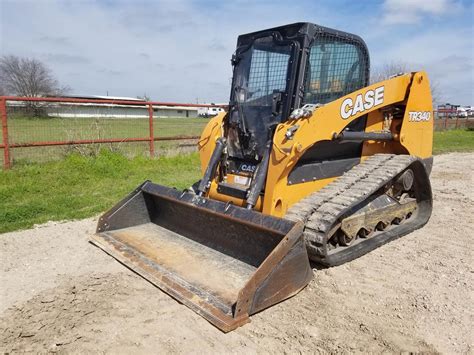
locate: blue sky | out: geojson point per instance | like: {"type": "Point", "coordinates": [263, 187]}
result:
{"type": "Point", "coordinates": [180, 50]}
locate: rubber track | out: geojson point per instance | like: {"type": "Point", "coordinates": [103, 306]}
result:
{"type": "Point", "coordinates": [322, 210]}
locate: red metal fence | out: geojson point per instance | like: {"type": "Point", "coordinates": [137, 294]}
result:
{"type": "Point", "coordinates": [24, 132]}
{"type": "Point", "coordinates": [453, 123]}
{"type": "Point", "coordinates": [150, 133]}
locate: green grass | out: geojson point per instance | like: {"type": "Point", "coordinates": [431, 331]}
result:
{"type": "Point", "coordinates": [459, 140]}
{"type": "Point", "coordinates": [80, 187]}
{"type": "Point", "coordinates": [22, 129]}
{"type": "Point", "coordinates": [27, 130]}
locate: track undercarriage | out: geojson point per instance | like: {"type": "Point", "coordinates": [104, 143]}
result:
{"type": "Point", "coordinates": [381, 199]}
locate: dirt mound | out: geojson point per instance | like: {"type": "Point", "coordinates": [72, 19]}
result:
{"type": "Point", "coordinates": [60, 293]}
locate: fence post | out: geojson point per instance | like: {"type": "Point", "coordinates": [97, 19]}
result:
{"type": "Point", "coordinates": [446, 123]}
{"type": "Point", "coordinates": [152, 133]}
{"type": "Point", "coordinates": [6, 146]}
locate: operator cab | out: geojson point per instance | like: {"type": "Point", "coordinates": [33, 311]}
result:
{"type": "Point", "coordinates": [276, 71]}
{"type": "Point", "coordinates": [281, 69]}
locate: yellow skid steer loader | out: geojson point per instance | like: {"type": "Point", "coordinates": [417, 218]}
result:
{"type": "Point", "coordinates": [310, 163]}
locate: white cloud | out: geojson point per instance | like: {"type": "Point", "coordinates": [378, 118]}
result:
{"type": "Point", "coordinates": [180, 50]}
{"type": "Point", "coordinates": [412, 11]}
{"type": "Point", "coordinates": [170, 50]}
{"type": "Point", "coordinates": [447, 56]}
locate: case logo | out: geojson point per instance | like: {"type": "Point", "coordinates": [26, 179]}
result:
{"type": "Point", "coordinates": [362, 102]}
{"type": "Point", "coordinates": [249, 168]}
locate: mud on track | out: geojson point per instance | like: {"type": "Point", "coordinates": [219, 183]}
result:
{"type": "Point", "coordinates": [59, 293]}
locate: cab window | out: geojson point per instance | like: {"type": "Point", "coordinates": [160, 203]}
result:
{"type": "Point", "coordinates": [334, 69]}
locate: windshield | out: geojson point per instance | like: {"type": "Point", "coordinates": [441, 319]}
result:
{"type": "Point", "coordinates": [335, 68]}
{"type": "Point", "coordinates": [260, 82]}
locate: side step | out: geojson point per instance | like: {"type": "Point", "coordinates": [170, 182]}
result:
{"type": "Point", "coordinates": [223, 261]}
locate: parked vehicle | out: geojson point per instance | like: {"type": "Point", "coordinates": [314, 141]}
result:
{"type": "Point", "coordinates": [462, 112]}
{"type": "Point", "coordinates": [209, 111]}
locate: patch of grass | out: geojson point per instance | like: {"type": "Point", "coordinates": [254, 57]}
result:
{"type": "Point", "coordinates": [459, 140]}
{"type": "Point", "coordinates": [80, 187]}
{"type": "Point", "coordinates": [23, 129]}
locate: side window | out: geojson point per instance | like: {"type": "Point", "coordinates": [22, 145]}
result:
{"type": "Point", "coordinates": [268, 72]}
{"type": "Point", "coordinates": [334, 69]}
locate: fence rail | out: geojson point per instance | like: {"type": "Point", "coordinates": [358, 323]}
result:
{"type": "Point", "coordinates": [61, 132]}
{"type": "Point", "coordinates": [47, 138]}
{"type": "Point", "coordinates": [446, 123]}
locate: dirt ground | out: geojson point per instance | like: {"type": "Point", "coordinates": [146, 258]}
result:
{"type": "Point", "coordinates": [59, 293]}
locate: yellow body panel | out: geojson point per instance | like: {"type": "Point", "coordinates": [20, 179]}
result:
{"type": "Point", "coordinates": [234, 200]}
{"type": "Point", "coordinates": [414, 138]}
{"type": "Point", "coordinates": [417, 135]}
{"type": "Point", "coordinates": [209, 135]}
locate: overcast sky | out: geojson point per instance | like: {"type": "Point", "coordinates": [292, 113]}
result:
{"type": "Point", "coordinates": [180, 50]}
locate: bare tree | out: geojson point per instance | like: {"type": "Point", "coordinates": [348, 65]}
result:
{"type": "Point", "coordinates": [385, 71]}
{"type": "Point", "coordinates": [388, 70]}
{"type": "Point", "coordinates": [436, 93]}
{"type": "Point", "coordinates": [28, 77]}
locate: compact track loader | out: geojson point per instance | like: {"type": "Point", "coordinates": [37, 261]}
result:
{"type": "Point", "coordinates": [310, 163]}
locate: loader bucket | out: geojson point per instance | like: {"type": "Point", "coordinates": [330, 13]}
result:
{"type": "Point", "coordinates": [223, 261]}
